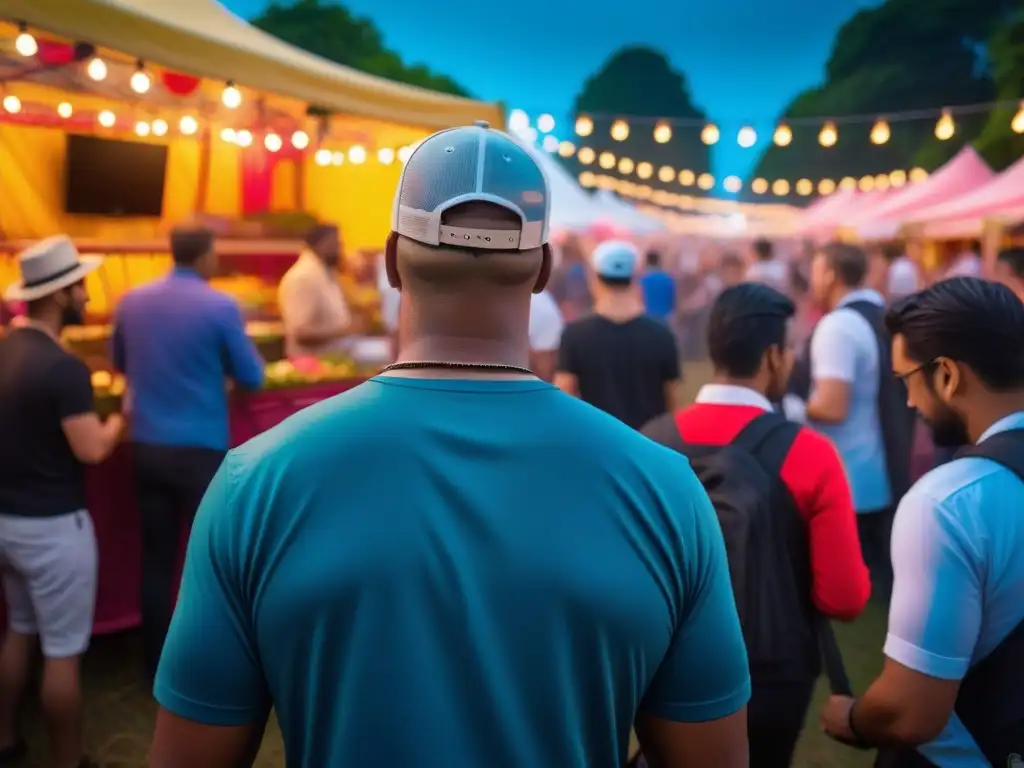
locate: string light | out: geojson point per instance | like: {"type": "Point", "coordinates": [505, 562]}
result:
{"type": "Point", "coordinates": [106, 118]}
{"type": "Point", "coordinates": [662, 132]}
{"type": "Point", "coordinates": [866, 183]}
{"type": "Point", "coordinates": [549, 143]}
{"type": "Point", "coordinates": [620, 130]}
{"type": "Point", "coordinates": [917, 175]}
{"type": "Point", "coordinates": [898, 178]}
{"type": "Point", "coordinates": [96, 69]}
{"type": "Point", "coordinates": [300, 140]}
{"type": "Point", "coordinates": [880, 132]}
{"type": "Point", "coordinates": [606, 160]}
{"type": "Point", "coordinates": [782, 138]}
{"type": "Point", "coordinates": [945, 127]}
{"type": "Point", "coordinates": [586, 155]}
{"type": "Point", "coordinates": [357, 155]}
{"type": "Point", "coordinates": [322, 157]}
{"type": "Point", "coordinates": [829, 135]}
{"type": "Point", "coordinates": [804, 187]}
{"type": "Point", "coordinates": [584, 126]}
{"type": "Point", "coordinates": [231, 97]}
{"type": "Point", "coordinates": [404, 153]}
{"type": "Point", "coordinates": [566, 149]}
{"type": "Point", "coordinates": [25, 43]}
{"type": "Point", "coordinates": [243, 139]}
{"type": "Point", "coordinates": [518, 120]}
{"type": "Point", "coordinates": [337, 158]}
{"type": "Point", "coordinates": [687, 178]}
{"type": "Point", "coordinates": [666, 174]}
{"type": "Point", "coordinates": [1017, 124]}
{"type": "Point", "coordinates": [780, 187]}
{"type": "Point", "coordinates": [142, 128]}
{"type": "Point", "coordinates": [705, 181]}
{"type": "Point", "coordinates": [228, 135]}
{"type": "Point", "coordinates": [732, 184]}
{"type": "Point", "coordinates": [12, 104]}
{"type": "Point", "coordinates": [882, 182]}
{"type": "Point", "coordinates": [272, 142]}
{"type": "Point", "coordinates": [644, 170]}
{"type": "Point", "coordinates": [759, 186]}
{"type": "Point", "coordinates": [826, 187]}
{"type": "Point", "coordinates": [140, 81]}
{"type": "Point", "coordinates": [159, 127]}
{"type": "Point", "coordinates": [709, 134]}
{"type": "Point", "coordinates": [385, 156]}
{"type": "Point", "coordinates": [626, 166]}
{"type": "Point", "coordinates": [65, 110]}
{"type": "Point", "coordinates": [545, 123]}
{"type": "Point", "coordinates": [848, 184]}
{"type": "Point", "coordinates": [188, 125]}
{"type": "Point", "coordinates": [747, 137]}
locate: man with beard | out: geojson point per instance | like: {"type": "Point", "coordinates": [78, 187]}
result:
{"type": "Point", "coordinates": [950, 693]}
{"type": "Point", "coordinates": [47, 544]}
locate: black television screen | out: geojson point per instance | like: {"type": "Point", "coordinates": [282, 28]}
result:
{"type": "Point", "coordinates": [114, 178]}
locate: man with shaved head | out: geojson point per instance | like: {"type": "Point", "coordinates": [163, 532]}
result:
{"type": "Point", "coordinates": [455, 563]}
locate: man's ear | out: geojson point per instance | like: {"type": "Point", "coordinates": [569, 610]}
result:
{"type": "Point", "coordinates": [545, 268]}
{"type": "Point", "coordinates": [391, 261]}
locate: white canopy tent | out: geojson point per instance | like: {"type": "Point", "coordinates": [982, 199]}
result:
{"type": "Point", "coordinates": [571, 207]}
{"type": "Point", "coordinates": [624, 215]}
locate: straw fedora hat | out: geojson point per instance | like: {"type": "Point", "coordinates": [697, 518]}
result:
{"type": "Point", "coordinates": [47, 267]}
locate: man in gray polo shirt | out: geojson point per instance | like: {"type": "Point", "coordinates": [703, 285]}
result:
{"type": "Point", "coordinates": [843, 402]}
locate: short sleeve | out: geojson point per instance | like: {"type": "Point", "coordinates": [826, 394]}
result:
{"type": "Point", "coordinates": [568, 354]}
{"type": "Point", "coordinates": [831, 347]}
{"type": "Point", "coordinates": [546, 323]}
{"type": "Point", "coordinates": [210, 670]}
{"type": "Point", "coordinates": [72, 388]}
{"type": "Point", "coordinates": [935, 613]}
{"type": "Point", "coordinates": [705, 675]}
{"type": "Point", "coordinates": [297, 302]}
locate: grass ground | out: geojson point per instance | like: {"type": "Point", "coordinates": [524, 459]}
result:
{"type": "Point", "coordinates": [119, 711]}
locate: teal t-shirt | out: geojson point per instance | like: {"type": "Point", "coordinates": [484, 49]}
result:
{"type": "Point", "coordinates": [488, 574]}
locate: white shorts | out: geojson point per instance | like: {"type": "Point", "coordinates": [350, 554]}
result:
{"type": "Point", "coordinates": [49, 567]}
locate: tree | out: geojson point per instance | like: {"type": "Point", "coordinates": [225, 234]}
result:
{"type": "Point", "coordinates": [640, 82]}
{"type": "Point", "coordinates": [998, 143]}
{"type": "Point", "coordinates": [900, 56]}
{"type": "Point", "coordinates": [330, 30]}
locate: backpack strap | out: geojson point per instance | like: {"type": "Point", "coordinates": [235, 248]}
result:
{"type": "Point", "coordinates": [768, 438]}
{"type": "Point", "coordinates": [1005, 448]}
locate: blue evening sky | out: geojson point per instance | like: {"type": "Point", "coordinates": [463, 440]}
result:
{"type": "Point", "coordinates": [744, 59]}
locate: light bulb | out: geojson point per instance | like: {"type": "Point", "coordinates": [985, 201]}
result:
{"type": "Point", "coordinates": [917, 175]}
{"type": "Point", "coordinates": [866, 183]}
{"type": "Point", "coordinates": [231, 97]}
{"type": "Point", "coordinates": [882, 182]}
{"type": "Point", "coordinates": [337, 158]}
{"type": "Point", "coordinates": [1017, 124]}
{"type": "Point", "coordinates": [606, 160]}
{"type": "Point", "coordinates": [243, 138]}
{"type": "Point", "coordinates": [826, 187]}
{"type": "Point", "coordinates": [880, 132]}
{"type": "Point", "coordinates": [945, 127]}
{"type": "Point", "coordinates": [12, 104]}
{"type": "Point", "coordinates": [300, 140]}
{"type": "Point", "coordinates": [687, 178]}
{"type": "Point", "coordinates": [898, 178]}
{"type": "Point", "coordinates": [404, 153]}
{"type": "Point", "coordinates": [545, 123]}
{"type": "Point", "coordinates": [228, 135]}
{"type": "Point", "coordinates": [322, 157]}
{"type": "Point", "coordinates": [518, 120]}
{"type": "Point", "coordinates": [140, 81]}
{"type": "Point", "coordinates": [666, 173]}
{"type": "Point", "coordinates": [705, 181]}
{"type": "Point", "coordinates": [550, 143]}
{"type": "Point", "coordinates": [848, 184]}
{"type": "Point", "coordinates": [584, 126]}
{"type": "Point", "coordinates": [96, 69]}
{"type": "Point", "coordinates": [159, 127]}
{"type": "Point", "coordinates": [107, 118]}
{"type": "Point", "coordinates": [586, 155]}
{"type": "Point", "coordinates": [732, 184]}
{"type": "Point", "coordinates": [272, 142]}
{"type": "Point", "coordinates": [620, 130]}
{"type": "Point", "coordinates": [780, 187]}
{"type": "Point", "coordinates": [783, 137]}
{"type": "Point", "coordinates": [626, 166]}
{"type": "Point", "coordinates": [829, 135]}
{"type": "Point", "coordinates": [747, 137]}
{"type": "Point", "coordinates": [566, 149]}
{"type": "Point", "coordinates": [663, 133]}
{"type": "Point", "coordinates": [644, 170]}
{"type": "Point", "coordinates": [142, 128]}
{"type": "Point", "coordinates": [804, 187]}
{"type": "Point", "coordinates": [188, 125]}
{"type": "Point", "coordinates": [586, 179]}
{"type": "Point", "coordinates": [65, 110]}
{"type": "Point", "coordinates": [710, 135]}
{"type": "Point", "coordinates": [385, 156]}
{"type": "Point", "coordinates": [357, 154]}
{"type": "Point", "coordinates": [759, 186]}
{"type": "Point", "coordinates": [25, 44]}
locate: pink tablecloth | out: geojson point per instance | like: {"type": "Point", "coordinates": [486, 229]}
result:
{"type": "Point", "coordinates": [116, 517]}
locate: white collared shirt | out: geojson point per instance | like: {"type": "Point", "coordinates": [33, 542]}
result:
{"type": "Point", "coordinates": [731, 394]}
{"type": "Point", "coordinates": [309, 297]}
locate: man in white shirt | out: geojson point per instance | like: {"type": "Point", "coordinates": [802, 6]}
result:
{"type": "Point", "coordinates": [950, 693]}
{"type": "Point", "coordinates": [546, 325]}
{"type": "Point", "coordinates": [768, 269]}
{"type": "Point", "coordinates": [313, 308]}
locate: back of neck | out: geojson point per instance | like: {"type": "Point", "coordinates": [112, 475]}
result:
{"type": "Point", "coordinates": [618, 308]}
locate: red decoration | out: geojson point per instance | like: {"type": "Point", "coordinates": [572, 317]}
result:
{"type": "Point", "coordinates": [179, 84]}
{"type": "Point", "coordinates": [53, 53]}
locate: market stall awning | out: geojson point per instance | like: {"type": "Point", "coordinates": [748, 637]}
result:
{"type": "Point", "coordinates": [201, 37]}
{"type": "Point", "coordinates": [1001, 199]}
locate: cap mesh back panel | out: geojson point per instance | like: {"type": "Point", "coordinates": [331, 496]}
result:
{"type": "Point", "coordinates": [434, 175]}
{"type": "Point", "coordinates": [511, 174]}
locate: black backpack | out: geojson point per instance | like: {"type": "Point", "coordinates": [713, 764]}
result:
{"type": "Point", "coordinates": [766, 541]}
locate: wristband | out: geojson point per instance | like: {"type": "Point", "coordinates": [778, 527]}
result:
{"type": "Point", "coordinates": [858, 740]}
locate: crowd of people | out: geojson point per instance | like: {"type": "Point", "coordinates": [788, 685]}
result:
{"type": "Point", "coordinates": [515, 545]}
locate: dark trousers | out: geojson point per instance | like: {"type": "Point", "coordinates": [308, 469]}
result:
{"type": "Point", "coordinates": [875, 532]}
{"type": "Point", "coordinates": [169, 484]}
{"type": "Point", "coordinates": [775, 717]}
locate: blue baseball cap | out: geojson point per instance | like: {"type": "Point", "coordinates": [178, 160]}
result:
{"type": "Point", "coordinates": [616, 260]}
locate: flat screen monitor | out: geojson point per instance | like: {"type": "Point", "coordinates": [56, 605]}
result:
{"type": "Point", "coordinates": [108, 177]}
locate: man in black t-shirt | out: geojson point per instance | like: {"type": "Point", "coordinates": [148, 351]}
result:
{"type": "Point", "coordinates": [47, 545]}
{"type": "Point", "coordinates": [618, 359]}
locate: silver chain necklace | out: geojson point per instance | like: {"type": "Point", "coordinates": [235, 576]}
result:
{"type": "Point", "coordinates": [419, 364]}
